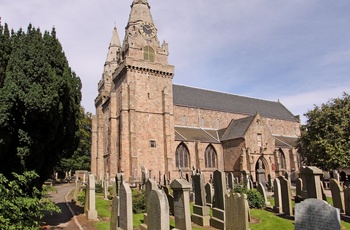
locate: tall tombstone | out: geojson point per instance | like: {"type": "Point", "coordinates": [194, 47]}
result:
{"type": "Point", "coordinates": [315, 214]}
{"type": "Point", "coordinates": [347, 201]}
{"type": "Point", "coordinates": [114, 221]}
{"type": "Point", "coordinates": [246, 176]}
{"type": "Point", "coordinates": [125, 220]}
{"type": "Point", "coordinates": [286, 197]}
{"type": "Point", "coordinates": [181, 191]}
{"type": "Point", "coordinates": [91, 212]}
{"type": "Point", "coordinates": [337, 195]}
{"type": "Point", "coordinates": [201, 213]}
{"type": "Point", "coordinates": [157, 210]}
{"type": "Point", "coordinates": [218, 218]}
{"type": "Point", "coordinates": [311, 177]}
{"type": "Point", "coordinates": [105, 189]}
{"type": "Point", "coordinates": [150, 186]}
{"type": "Point", "coordinates": [262, 191]}
{"type": "Point", "coordinates": [231, 182]}
{"type": "Point", "coordinates": [170, 200]}
{"type": "Point", "coordinates": [237, 210]}
{"type": "Point", "coordinates": [298, 187]}
{"type": "Point", "coordinates": [260, 174]}
{"type": "Point", "coordinates": [277, 196]}
{"type": "Point", "coordinates": [269, 183]}
{"type": "Point", "coordinates": [209, 194]}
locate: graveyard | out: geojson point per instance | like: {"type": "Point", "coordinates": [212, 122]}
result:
{"type": "Point", "coordinates": [220, 204]}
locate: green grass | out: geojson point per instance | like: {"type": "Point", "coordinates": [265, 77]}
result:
{"type": "Point", "coordinates": [267, 220]}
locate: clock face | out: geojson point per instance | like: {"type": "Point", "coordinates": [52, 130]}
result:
{"type": "Point", "coordinates": [147, 30]}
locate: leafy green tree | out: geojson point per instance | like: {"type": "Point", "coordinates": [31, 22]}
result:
{"type": "Point", "coordinates": [22, 206]}
{"type": "Point", "coordinates": [325, 138]}
{"type": "Point", "coordinates": [5, 51]}
{"type": "Point", "coordinates": [80, 160]}
{"type": "Point", "coordinates": [39, 106]}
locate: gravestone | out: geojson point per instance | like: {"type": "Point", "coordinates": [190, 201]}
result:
{"type": "Point", "coordinates": [298, 187]}
{"type": "Point", "coordinates": [310, 176]}
{"type": "Point", "coordinates": [157, 211]}
{"type": "Point", "coordinates": [181, 191]}
{"type": "Point", "coordinates": [170, 200]}
{"type": "Point", "coordinates": [322, 192]}
{"type": "Point", "coordinates": [260, 174]}
{"type": "Point", "coordinates": [125, 206]}
{"type": "Point", "coordinates": [286, 197]}
{"type": "Point", "coordinates": [90, 211]}
{"type": "Point", "coordinates": [277, 196]}
{"type": "Point", "coordinates": [231, 182]}
{"type": "Point", "coordinates": [245, 179]}
{"type": "Point", "coordinates": [114, 221]}
{"type": "Point", "coordinates": [200, 209]}
{"type": "Point", "coordinates": [218, 218]}
{"type": "Point", "coordinates": [262, 191]}
{"type": "Point", "coordinates": [236, 211]}
{"type": "Point", "coordinates": [269, 183]}
{"type": "Point", "coordinates": [336, 175]}
{"type": "Point", "coordinates": [209, 194]}
{"type": "Point", "coordinates": [315, 214]}
{"type": "Point", "coordinates": [105, 190]}
{"type": "Point", "coordinates": [347, 201]}
{"type": "Point", "coordinates": [337, 195]}
{"type": "Point", "coordinates": [150, 186]}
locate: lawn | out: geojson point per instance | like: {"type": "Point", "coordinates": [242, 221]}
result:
{"type": "Point", "coordinates": [266, 219]}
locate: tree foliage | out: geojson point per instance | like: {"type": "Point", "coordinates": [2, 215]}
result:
{"type": "Point", "coordinates": [80, 160]}
{"type": "Point", "coordinates": [325, 138]}
{"type": "Point", "coordinates": [22, 206]}
{"type": "Point", "coordinates": [39, 103]}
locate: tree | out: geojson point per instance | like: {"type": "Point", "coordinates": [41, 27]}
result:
{"type": "Point", "coordinates": [5, 51]}
{"type": "Point", "coordinates": [325, 138]}
{"type": "Point", "coordinates": [80, 160]}
{"type": "Point", "coordinates": [39, 105]}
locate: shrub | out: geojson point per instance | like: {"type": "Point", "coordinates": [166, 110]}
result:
{"type": "Point", "coordinates": [22, 206]}
{"type": "Point", "coordinates": [255, 199]}
{"type": "Point", "coordinates": [81, 197]}
{"type": "Point", "coordinates": [98, 188]}
{"type": "Point", "coordinates": [138, 201]}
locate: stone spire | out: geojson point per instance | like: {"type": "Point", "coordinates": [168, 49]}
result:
{"type": "Point", "coordinates": [113, 53]}
{"type": "Point", "coordinates": [140, 11]}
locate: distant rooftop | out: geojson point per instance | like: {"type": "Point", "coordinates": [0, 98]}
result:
{"type": "Point", "coordinates": [218, 101]}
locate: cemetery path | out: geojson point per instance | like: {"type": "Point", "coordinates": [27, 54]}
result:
{"type": "Point", "coordinates": [65, 219]}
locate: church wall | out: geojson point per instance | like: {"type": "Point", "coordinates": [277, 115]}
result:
{"type": "Point", "coordinates": [282, 127]}
{"type": "Point", "coordinates": [232, 156]}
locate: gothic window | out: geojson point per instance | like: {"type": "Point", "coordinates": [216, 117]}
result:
{"type": "Point", "coordinates": [148, 54]}
{"type": "Point", "coordinates": [210, 157]}
{"type": "Point", "coordinates": [282, 159]}
{"type": "Point", "coordinates": [182, 156]}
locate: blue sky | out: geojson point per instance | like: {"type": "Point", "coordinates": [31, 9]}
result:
{"type": "Point", "coordinates": [294, 51]}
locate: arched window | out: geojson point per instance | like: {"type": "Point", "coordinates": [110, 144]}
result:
{"type": "Point", "coordinates": [282, 159]}
{"type": "Point", "coordinates": [210, 157]}
{"type": "Point", "coordinates": [182, 156]}
{"type": "Point", "coordinates": [148, 54]}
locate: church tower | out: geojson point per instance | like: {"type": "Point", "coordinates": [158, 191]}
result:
{"type": "Point", "coordinates": [134, 123]}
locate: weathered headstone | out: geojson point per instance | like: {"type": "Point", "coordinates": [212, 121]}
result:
{"type": "Point", "coordinates": [245, 179]}
{"type": "Point", "coordinates": [269, 183]}
{"type": "Point", "coordinates": [298, 187]}
{"type": "Point", "coordinates": [170, 200]}
{"type": "Point", "coordinates": [114, 221]}
{"type": "Point", "coordinates": [231, 182]}
{"type": "Point", "coordinates": [200, 209]}
{"type": "Point", "coordinates": [125, 220]}
{"type": "Point", "coordinates": [311, 182]}
{"type": "Point", "coordinates": [157, 211]}
{"type": "Point", "coordinates": [277, 196]}
{"type": "Point", "coordinates": [105, 190]}
{"type": "Point", "coordinates": [209, 194]}
{"type": "Point", "coordinates": [236, 211]}
{"type": "Point", "coordinates": [218, 218]}
{"type": "Point", "coordinates": [347, 201]}
{"type": "Point", "coordinates": [91, 212]}
{"type": "Point", "coordinates": [150, 186]}
{"type": "Point", "coordinates": [260, 173]}
{"type": "Point", "coordinates": [181, 191]}
{"type": "Point", "coordinates": [286, 197]}
{"type": "Point", "coordinates": [262, 191]}
{"type": "Point", "coordinates": [336, 175]}
{"type": "Point", "coordinates": [315, 214]}
{"type": "Point", "coordinates": [337, 194]}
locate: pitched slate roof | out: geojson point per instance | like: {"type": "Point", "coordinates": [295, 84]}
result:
{"type": "Point", "coordinates": [283, 141]}
{"type": "Point", "coordinates": [213, 100]}
{"type": "Point", "coordinates": [196, 134]}
{"type": "Point", "coordinates": [237, 128]}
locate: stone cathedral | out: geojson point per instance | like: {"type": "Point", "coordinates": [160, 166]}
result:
{"type": "Point", "coordinates": [146, 123]}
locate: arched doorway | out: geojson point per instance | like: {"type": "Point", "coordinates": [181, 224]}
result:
{"type": "Point", "coordinates": [261, 170]}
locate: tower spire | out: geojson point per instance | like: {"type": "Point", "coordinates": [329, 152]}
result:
{"type": "Point", "coordinates": [140, 11]}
